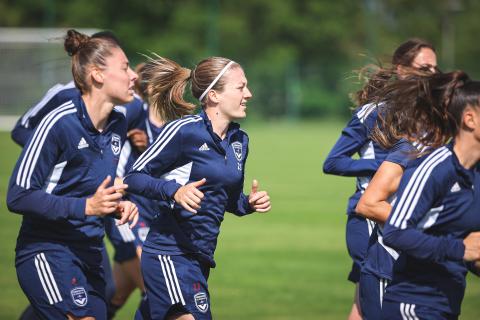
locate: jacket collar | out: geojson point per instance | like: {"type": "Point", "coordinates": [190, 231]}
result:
{"type": "Point", "coordinates": [233, 128]}
{"type": "Point", "coordinates": [87, 121]}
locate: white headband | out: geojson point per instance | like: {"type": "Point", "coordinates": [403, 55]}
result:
{"type": "Point", "coordinates": [215, 80]}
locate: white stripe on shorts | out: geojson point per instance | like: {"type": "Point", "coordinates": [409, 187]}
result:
{"type": "Point", "coordinates": [408, 311]}
{"type": "Point", "coordinates": [171, 279]}
{"type": "Point", "coordinates": [46, 278]}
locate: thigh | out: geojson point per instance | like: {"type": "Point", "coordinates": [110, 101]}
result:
{"type": "Point", "coordinates": [55, 283]}
{"type": "Point", "coordinates": [372, 289]}
{"type": "Point", "coordinates": [175, 285]}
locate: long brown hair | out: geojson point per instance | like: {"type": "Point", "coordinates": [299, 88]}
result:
{"type": "Point", "coordinates": [377, 76]}
{"type": "Point", "coordinates": [427, 109]}
{"type": "Point", "coordinates": [167, 81]}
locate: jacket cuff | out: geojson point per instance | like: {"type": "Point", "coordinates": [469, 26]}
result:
{"type": "Point", "coordinates": [455, 250]}
{"type": "Point", "coordinates": [77, 208]}
{"type": "Point", "coordinates": [170, 188]}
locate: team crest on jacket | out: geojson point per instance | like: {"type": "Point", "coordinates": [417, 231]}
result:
{"type": "Point", "coordinates": [201, 301]}
{"type": "Point", "coordinates": [237, 149]}
{"type": "Point", "coordinates": [79, 296]}
{"type": "Point", "coordinates": [116, 144]}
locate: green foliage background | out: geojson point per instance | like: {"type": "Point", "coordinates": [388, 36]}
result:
{"type": "Point", "coordinates": [298, 54]}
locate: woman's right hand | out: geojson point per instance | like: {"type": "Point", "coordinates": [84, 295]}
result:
{"type": "Point", "coordinates": [189, 197]}
{"type": "Point", "coordinates": [472, 247]}
{"type": "Point", "coordinates": [105, 200]}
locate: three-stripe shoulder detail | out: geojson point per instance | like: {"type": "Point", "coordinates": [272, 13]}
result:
{"type": "Point", "coordinates": [365, 111]}
{"type": "Point", "coordinates": [32, 153]}
{"type": "Point", "coordinates": [162, 140]}
{"type": "Point", "coordinates": [416, 184]}
{"type": "Point", "coordinates": [48, 96]}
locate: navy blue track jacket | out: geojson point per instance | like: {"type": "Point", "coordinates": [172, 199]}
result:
{"type": "Point", "coordinates": [188, 150]}
{"type": "Point", "coordinates": [62, 164]}
{"type": "Point", "coordinates": [355, 138]}
{"type": "Point", "coordinates": [437, 206]}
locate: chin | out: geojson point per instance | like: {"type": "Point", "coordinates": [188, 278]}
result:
{"type": "Point", "coordinates": [124, 100]}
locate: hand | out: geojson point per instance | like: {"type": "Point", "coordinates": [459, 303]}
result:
{"type": "Point", "coordinates": [105, 200]}
{"type": "Point", "coordinates": [127, 211]}
{"type": "Point", "coordinates": [472, 247]}
{"type": "Point", "coordinates": [259, 200]}
{"type": "Point", "coordinates": [138, 138]}
{"type": "Point", "coordinates": [189, 197]}
{"type": "Point", "coordinates": [118, 182]}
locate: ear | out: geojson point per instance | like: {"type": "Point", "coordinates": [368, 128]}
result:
{"type": "Point", "coordinates": [471, 118]}
{"type": "Point", "coordinates": [97, 75]}
{"type": "Point", "coordinates": [212, 96]}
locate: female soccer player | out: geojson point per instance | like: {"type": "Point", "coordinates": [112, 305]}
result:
{"type": "Point", "coordinates": [355, 138]}
{"type": "Point", "coordinates": [61, 186]}
{"type": "Point", "coordinates": [195, 169]}
{"type": "Point", "coordinates": [434, 222]}
{"type": "Point", "coordinates": [126, 266]}
{"type": "Point", "coordinates": [374, 204]}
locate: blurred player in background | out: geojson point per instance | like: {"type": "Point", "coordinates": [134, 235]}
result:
{"type": "Point", "coordinates": [355, 138]}
{"type": "Point", "coordinates": [434, 220]}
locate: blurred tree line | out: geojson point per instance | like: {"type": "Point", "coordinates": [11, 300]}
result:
{"type": "Point", "coordinates": [299, 55]}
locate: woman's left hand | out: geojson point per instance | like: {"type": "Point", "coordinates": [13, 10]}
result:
{"type": "Point", "coordinates": [259, 200]}
{"type": "Point", "coordinates": [127, 211]}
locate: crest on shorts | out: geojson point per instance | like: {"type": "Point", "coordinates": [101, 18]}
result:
{"type": "Point", "coordinates": [201, 301]}
{"type": "Point", "coordinates": [79, 296]}
{"type": "Point", "coordinates": [237, 149]}
{"type": "Point", "coordinates": [116, 144]}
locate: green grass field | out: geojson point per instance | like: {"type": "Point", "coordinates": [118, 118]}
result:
{"type": "Point", "coordinates": [288, 264]}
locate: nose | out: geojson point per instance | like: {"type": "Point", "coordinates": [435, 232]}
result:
{"type": "Point", "coordinates": [133, 75]}
{"type": "Point", "coordinates": [248, 93]}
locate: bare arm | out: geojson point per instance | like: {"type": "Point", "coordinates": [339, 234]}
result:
{"type": "Point", "coordinates": [374, 203]}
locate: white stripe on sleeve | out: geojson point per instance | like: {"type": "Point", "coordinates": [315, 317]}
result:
{"type": "Point", "coordinates": [33, 152]}
{"type": "Point", "coordinates": [415, 186]}
{"type": "Point", "coordinates": [46, 98]}
{"type": "Point", "coordinates": [52, 181]}
{"type": "Point", "coordinates": [162, 140]}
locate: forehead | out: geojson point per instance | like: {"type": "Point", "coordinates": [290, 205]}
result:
{"type": "Point", "coordinates": [117, 56]}
{"type": "Point", "coordinates": [425, 56]}
{"type": "Point", "coordinates": [235, 74]}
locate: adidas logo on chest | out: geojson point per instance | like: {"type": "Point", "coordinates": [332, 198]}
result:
{"type": "Point", "coordinates": [82, 144]}
{"type": "Point", "coordinates": [455, 187]}
{"type": "Point", "coordinates": [204, 147]}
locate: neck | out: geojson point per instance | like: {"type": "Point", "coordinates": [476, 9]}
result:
{"type": "Point", "coordinates": [98, 109]}
{"type": "Point", "coordinates": [219, 122]}
{"type": "Point", "coordinates": [154, 117]}
{"type": "Point", "coordinates": [467, 149]}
